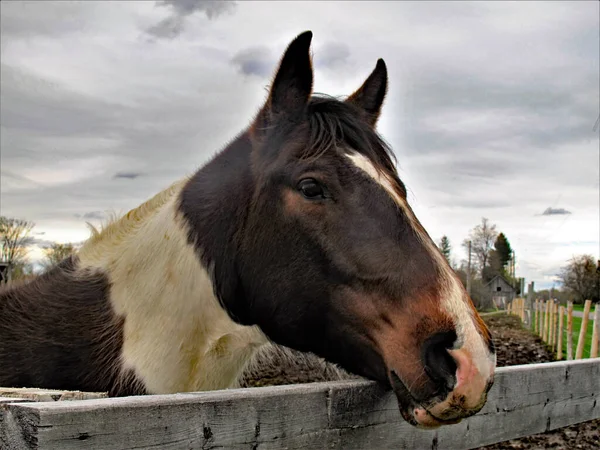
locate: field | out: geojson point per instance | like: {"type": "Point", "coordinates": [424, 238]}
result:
{"type": "Point", "coordinates": [514, 345]}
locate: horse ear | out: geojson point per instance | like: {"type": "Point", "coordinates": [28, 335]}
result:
{"type": "Point", "coordinates": [293, 81]}
{"type": "Point", "coordinates": [369, 97]}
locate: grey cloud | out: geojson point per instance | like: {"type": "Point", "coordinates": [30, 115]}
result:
{"type": "Point", "coordinates": [127, 175]}
{"type": "Point", "coordinates": [257, 61]}
{"type": "Point", "coordinates": [27, 18]}
{"type": "Point", "coordinates": [173, 25]}
{"type": "Point", "coordinates": [168, 28]}
{"type": "Point", "coordinates": [555, 212]}
{"type": "Point", "coordinates": [36, 114]}
{"type": "Point", "coordinates": [33, 105]}
{"type": "Point", "coordinates": [261, 61]}
{"type": "Point", "coordinates": [94, 215]}
{"type": "Point", "coordinates": [332, 55]}
{"type": "Point", "coordinates": [212, 9]}
{"type": "Point", "coordinates": [519, 111]}
{"type": "Point", "coordinates": [36, 242]}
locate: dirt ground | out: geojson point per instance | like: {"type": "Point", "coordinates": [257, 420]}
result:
{"type": "Point", "coordinates": [514, 345]}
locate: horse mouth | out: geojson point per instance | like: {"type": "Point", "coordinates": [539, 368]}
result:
{"type": "Point", "coordinates": [413, 411]}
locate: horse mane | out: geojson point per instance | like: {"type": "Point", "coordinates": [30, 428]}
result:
{"type": "Point", "coordinates": [333, 122]}
{"type": "Point", "coordinates": [116, 228]}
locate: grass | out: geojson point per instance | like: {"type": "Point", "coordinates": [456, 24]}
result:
{"type": "Point", "coordinates": [576, 328]}
{"type": "Point", "coordinates": [578, 308]}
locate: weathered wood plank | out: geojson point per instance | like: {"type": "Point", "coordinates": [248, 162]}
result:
{"type": "Point", "coordinates": [340, 415]}
{"type": "Point", "coordinates": [49, 395]}
{"type": "Point", "coordinates": [15, 426]}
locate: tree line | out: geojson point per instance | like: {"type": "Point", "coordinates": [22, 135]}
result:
{"type": "Point", "coordinates": [493, 255]}
{"type": "Point", "coordinates": [15, 240]}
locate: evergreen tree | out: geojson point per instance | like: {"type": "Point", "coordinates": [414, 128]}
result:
{"type": "Point", "coordinates": [502, 254]}
{"type": "Point", "coordinates": [445, 247]}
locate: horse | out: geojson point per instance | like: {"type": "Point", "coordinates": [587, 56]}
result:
{"type": "Point", "coordinates": [297, 233]}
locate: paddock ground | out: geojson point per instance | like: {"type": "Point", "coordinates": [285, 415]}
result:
{"type": "Point", "coordinates": [514, 346]}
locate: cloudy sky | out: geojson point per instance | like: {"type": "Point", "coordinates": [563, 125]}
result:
{"type": "Point", "coordinates": [490, 110]}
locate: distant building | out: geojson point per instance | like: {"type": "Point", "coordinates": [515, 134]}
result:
{"type": "Point", "coordinates": [500, 292]}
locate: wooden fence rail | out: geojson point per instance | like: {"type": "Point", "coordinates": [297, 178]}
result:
{"type": "Point", "coordinates": [524, 400]}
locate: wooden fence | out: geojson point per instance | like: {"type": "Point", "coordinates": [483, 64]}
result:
{"type": "Point", "coordinates": [554, 324]}
{"type": "Point", "coordinates": [354, 414]}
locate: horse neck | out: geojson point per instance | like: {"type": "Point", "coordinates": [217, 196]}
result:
{"type": "Point", "coordinates": [177, 337]}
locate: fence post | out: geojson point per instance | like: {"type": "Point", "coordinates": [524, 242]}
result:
{"type": "Point", "coordinates": [546, 321]}
{"type": "Point", "coordinates": [521, 315]}
{"type": "Point", "coordinates": [583, 331]}
{"type": "Point", "coordinates": [535, 316]}
{"type": "Point", "coordinates": [570, 330]}
{"type": "Point", "coordinates": [596, 325]}
{"type": "Point", "coordinates": [561, 317]}
{"type": "Point", "coordinates": [540, 319]}
{"type": "Point", "coordinates": [550, 310]}
{"type": "Point", "coordinates": [551, 337]}
{"type": "Point", "coordinates": [555, 325]}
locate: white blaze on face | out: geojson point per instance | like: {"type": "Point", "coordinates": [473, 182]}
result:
{"type": "Point", "coordinates": [455, 300]}
{"type": "Point", "coordinates": [177, 337]}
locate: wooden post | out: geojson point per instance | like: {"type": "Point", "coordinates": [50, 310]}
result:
{"type": "Point", "coordinates": [554, 324]}
{"type": "Point", "coordinates": [583, 331]}
{"type": "Point", "coordinates": [596, 325]}
{"type": "Point", "coordinates": [535, 316]}
{"type": "Point", "coordinates": [556, 319]}
{"type": "Point", "coordinates": [550, 305]}
{"type": "Point", "coordinates": [551, 332]}
{"type": "Point", "coordinates": [540, 320]}
{"type": "Point", "coordinates": [561, 317]}
{"type": "Point", "coordinates": [540, 315]}
{"type": "Point", "coordinates": [546, 321]}
{"type": "Point", "coordinates": [570, 330]}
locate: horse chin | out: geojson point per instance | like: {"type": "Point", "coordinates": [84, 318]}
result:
{"type": "Point", "coordinates": [412, 411]}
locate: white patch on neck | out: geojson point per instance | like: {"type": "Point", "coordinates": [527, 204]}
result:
{"type": "Point", "coordinates": [177, 337]}
{"type": "Point", "coordinates": [454, 301]}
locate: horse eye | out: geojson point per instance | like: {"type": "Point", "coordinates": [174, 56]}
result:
{"type": "Point", "coordinates": [311, 189]}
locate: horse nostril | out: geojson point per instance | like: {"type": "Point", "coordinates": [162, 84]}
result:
{"type": "Point", "coordinates": [439, 364]}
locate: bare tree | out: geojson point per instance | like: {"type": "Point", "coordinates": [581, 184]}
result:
{"type": "Point", "coordinates": [56, 253]}
{"type": "Point", "coordinates": [14, 239]}
{"type": "Point", "coordinates": [582, 277]}
{"type": "Point", "coordinates": [482, 239]}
